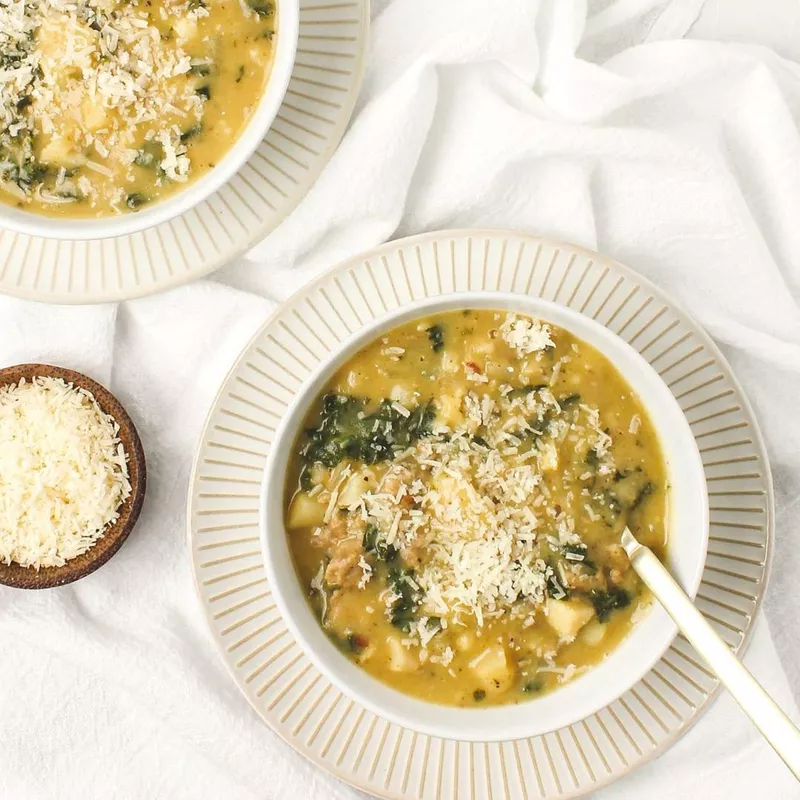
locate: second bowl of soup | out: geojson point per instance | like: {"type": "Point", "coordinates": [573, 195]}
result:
{"type": "Point", "coordinates": [119, 115]}
{"type": "Point", "coordinates": [442, 513]}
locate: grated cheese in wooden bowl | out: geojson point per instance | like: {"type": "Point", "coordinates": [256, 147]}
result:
{"type": "Point", "coordinates": [63, 472]}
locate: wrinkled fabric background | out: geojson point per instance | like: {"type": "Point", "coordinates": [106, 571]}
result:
{"type": "Point", "coordinates": [664, 134]}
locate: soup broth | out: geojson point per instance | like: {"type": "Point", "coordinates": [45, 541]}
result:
{"type": "Point", "coordinates": [109, 105]}
{"type": "Point", "coordinates": [455, 503]}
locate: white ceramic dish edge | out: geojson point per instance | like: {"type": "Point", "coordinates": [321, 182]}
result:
{"type": "Point", "coordinates": [31, 224]}
{"type": "Point", "coordinates": [599, 686]}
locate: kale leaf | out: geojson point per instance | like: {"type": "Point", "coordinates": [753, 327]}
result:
{"type": "Point", "coordinates": [436, 336]}
{"type": "Point", "coordinates": [643, 493]}
{"type": "Point", "coordinates": [345, 430]}
{"type": "Point", "coordinates": [376, 545]}
{"type": "Point", "coordinates": [569, 400]}
{"type": "Point", "coordinates": [190, 133]}
{"type": "Point", "coordinates": [404, 608]}
{"type": "Point", "coordinates": [606, 602]}
{"type": "Point", "coordinates": [136, 200]}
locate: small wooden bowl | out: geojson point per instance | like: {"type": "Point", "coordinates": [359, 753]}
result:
{"type": "Point", "coordinates": [105, 547]}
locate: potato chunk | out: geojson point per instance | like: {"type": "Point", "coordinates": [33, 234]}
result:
{"type": "Point", "coordinates": [356, 485]}
{"type": "Point", "coordinates": [63, 153]}
{"type": "Point", "coordinates": [593, 633]}
{"type": "Point", "coordinates": [400, 394]}
{"type": "Point", "coordinates": [450, 408]}
{"type": "Point", "coordinates": [400, 658]}
{"type": "Point", "coordinates": [94, 115]}
{"type": "Point", "coordinates": [305, 511]}
{"type": "Point", "coordinates": [567, 617]}
{"type": "Point", "coordinates": [344, 569]}
{"type": "Point", "coordinates": [548, 457]}
{"type": "Point", "coordinates": [185, 29]}
{"type": "Point", "coordinates": [480, 350]}
{"type": "Point", "coordinates": [495, 669]}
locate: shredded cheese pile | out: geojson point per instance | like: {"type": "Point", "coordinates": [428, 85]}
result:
{"type": "Point", "coordinates": [481, 508]}
{"type": "Point", "coordinates": [525, 335]}
{"type": "Point", "coordinates": [63, 472]}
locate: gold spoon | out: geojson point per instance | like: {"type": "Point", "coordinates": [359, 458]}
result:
{"type": "Point", "coordinates": [774, 725]}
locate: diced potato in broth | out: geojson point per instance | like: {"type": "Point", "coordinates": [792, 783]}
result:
{"type": "Point", "coordinates": [567, 617]}
{"type": "Point", "coordinates": [494, 670]}
{"type": "Point", "coordinates": [455, 503]}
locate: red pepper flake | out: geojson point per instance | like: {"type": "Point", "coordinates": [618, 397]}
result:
{"type": "Point", "coordinates": [357, 642]}
{"type": "Point", "coordinates": [473, 367]}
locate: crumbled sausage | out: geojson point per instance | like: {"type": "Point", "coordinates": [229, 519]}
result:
{"type": "Point", "coordinates": [395, 478]}
{"type": "Point", "coordinates": [578, 577]}
{"type": "Point", "coordinates": [413, 552]}
{"type": "Point", "coordinates": [343, 569]}
{"type": "Point", "coordinates": [618, 563]}
{"type": "Point", "coordinates": [332, 532]}
{"type": "Point", "coordinates": [356, 525]}
{"type": "Point", "coordinates": [617, 558]}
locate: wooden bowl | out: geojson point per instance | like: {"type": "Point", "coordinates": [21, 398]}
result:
{"type": "Point", "coordinates": [105, 547]}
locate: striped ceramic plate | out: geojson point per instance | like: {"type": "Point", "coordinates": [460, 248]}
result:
{"type": "Point", "coordinates": [319, 101]}
{"type": "Point", "coordinates": [271, 669]}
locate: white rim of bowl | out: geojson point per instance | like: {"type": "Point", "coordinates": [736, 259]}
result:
{"type": "Point", "coordinates": [196, 192]}
{"type": "Point", "coordinates": [463, 731]}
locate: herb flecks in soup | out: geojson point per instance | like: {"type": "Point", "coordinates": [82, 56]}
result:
{"type": "Point", "coordinates": [456, 502]}
{"type": "Point", "coordinates": [107, 105]}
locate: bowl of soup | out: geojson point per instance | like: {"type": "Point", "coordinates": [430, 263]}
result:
{"type": "Point", "coordinates": [442, 508]}
{"type": "Point", "coordinates": [118, 116]}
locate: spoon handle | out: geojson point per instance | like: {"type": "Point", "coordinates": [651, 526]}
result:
{"type": "Point", "coordinates": [775, 726]}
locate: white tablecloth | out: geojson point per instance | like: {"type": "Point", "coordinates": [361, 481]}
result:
{"type": "Point", "coordinates": [678, 157]}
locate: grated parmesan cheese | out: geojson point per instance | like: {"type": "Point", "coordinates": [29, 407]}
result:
{"type": "Point", "coordinates": [366, 572]}
{"type": "Point", "coordinates": [474, 515]}
{"type": "Point", "coordinates": [63, 472]}
{"type": "Point", "coordinates": [526, 335]}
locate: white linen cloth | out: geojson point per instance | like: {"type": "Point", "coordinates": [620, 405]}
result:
{"type": "Point", "coordinates": [678, 157]}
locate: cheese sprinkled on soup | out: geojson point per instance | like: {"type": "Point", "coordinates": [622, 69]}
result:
{"type": "Point", "coordinates": [456, 503]}
{"type": "Point", "coordinates": [107, 105]}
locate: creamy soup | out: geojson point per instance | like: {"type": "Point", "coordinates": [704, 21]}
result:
{"type": "Point", "coordinates": [109, 105]}
{"type": "Point", "coordinates": [455, 505]}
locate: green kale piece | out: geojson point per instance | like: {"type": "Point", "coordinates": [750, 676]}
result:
{"type": "Point", "coordinates": [345, 430]}
{"type": "Point", "coordinates": [609, 601]}
{"type": "Point", "coordinates": [436, 336]}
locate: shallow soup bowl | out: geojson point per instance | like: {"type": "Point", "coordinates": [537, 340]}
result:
{"type": "Point", "coordinates": [195, 192]}
{"type": "Point", "coordinates": [687, 524]}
